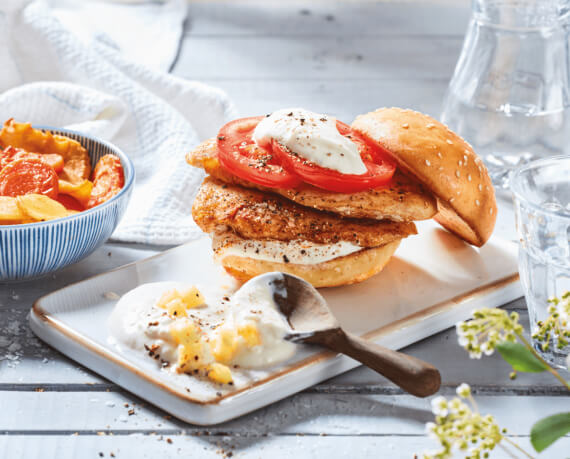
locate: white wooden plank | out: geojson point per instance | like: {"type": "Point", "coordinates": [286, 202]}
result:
{"type": "Point", "coordinates": [276, 447]}
{"type": "Point", "coordinates": [344, 58]}
{"type": "Point", "coordinates": [109, 256]}
{"type": "Point", "coordinates": [343, 99]}
{"type": "Point", "coordinates": [258, 18]}
{"type": "Point", "coordinates": [309, 414]}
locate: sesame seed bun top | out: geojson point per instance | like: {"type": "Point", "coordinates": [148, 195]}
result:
{"type": "Point", "coordinates": [441, 160]}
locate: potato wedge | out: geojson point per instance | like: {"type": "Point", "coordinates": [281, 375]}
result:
{"type": "Point", "coordinates": [41, 208]}
{"type": "Point", "coordinates": [80, 191]}
{"type": "Point", "coordinates": [10, 213]}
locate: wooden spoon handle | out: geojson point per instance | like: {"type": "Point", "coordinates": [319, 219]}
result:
{"type": "Point", "coordinates": [415, 376]}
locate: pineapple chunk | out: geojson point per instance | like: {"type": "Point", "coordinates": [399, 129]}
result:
{"type": "Point", "coordinates": [186, 299]}
{"type": "Point", "coordinates": [166, 298]}
{"type": "Point", "coordinates": [190, 348]}
{"type": "Point", "coordinates": [250, 335]}
{"type": "Point", "coordinates": [176, 308]}
{"type": "Point", "coordinates": [219, 373]}
{"type": "Point", "coordinates": [224, 346]}
{"type": "Point", "coordinates": [192, 297]}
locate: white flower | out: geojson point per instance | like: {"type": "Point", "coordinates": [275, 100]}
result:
{"type": "Point", "coordinates": [459, 426]}
{"type": "Point", "coordinates": [488, 328]}
{"type": "Point", "coordinates": [430, 429]}
{"type": "Point", "coordinates": [463, 341]}
{"type": "Point", "coordinates": [439, 406]}
{"type": "Point", "coordinates": [463, 390]}
{"type": "Point", "coordinates": [487, 350]}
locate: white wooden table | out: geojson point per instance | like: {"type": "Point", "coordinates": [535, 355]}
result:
{"type": "Point", "coordinates": [340, 58]}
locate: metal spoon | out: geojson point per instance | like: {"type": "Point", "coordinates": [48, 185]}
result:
{"type": "Point", "coordinates": [312, 321]}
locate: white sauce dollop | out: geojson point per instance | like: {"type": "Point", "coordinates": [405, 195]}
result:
{"type": "Point", "coordinates": [296, 252]}
{"type": "Point", "coordinates": [312, 136]}
{"type": "Point", "coordinates": [137, 323]}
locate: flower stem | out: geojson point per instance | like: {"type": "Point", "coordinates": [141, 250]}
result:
{"type": "Point", "coordinates": [513, 444]}
{"type": "Point", "coordinates": [551, 370]}
{"type": "Point", "coordinates": [473, 403]}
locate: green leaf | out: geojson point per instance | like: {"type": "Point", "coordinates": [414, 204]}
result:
{"type": "Point", "coordinates": [520, 358]}
{"type": "Point", "coordinates": [548, 430]}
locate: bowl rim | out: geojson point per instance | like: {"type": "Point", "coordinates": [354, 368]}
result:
{"type": "Point", "coordinates": [129, 179]}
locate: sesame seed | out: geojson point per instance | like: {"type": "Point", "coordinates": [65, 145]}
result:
{"type": "Point", "coordinates": [428, 163]}
{"type": "Point", "coordinates": [465, 159]}
{"type": "Point", "coordinates": [469, 177]}
{"type": "Point", "coordinates": [491, 211]}
{"type": "Point", "coordinates": [460, 163]}
{"type": "Point", "coordinates": [430, 125]}
{"type": "Point", "coordinates": [457, 174]}
{"type": "Point", "coordinates": [480, 187]}
{"type": "Point", "coordinates": [405, 125]}
{"type": "Point", "coordinates": [449, 142]}
{"type": "Point", "coordinates": [451, 199]}
{"type": "Point", "coordinates": [477, 202]}
{"type": "Point", "coordinates": [439, 154]}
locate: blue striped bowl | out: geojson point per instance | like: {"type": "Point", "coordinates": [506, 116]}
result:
{"type": "Point", "coordinates": [36, 249]}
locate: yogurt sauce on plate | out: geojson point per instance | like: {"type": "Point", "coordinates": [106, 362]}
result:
{"type": "Point", "coordinates": [186, 333]}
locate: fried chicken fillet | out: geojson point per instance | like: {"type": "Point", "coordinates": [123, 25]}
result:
{"type": "Point", "coordinates": [255, 219]}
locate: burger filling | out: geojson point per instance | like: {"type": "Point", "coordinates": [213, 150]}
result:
{"type": "Point", "coordinates": [295, 251]}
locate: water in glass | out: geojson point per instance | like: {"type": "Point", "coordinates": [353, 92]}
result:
{"type": "Point", "coordinates": [541, 192]}
{"type": "Point", "coordinates": [509, 95]}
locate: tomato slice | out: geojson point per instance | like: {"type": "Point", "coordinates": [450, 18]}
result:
{"type": "Point", "coordinates": [380, 167]}
{"type": "Point", "coordinates": [108, 179]}
{"type": "Point", "coordinates": [26, 176]}
{"type": "Point", "coordinates": [12, 154]}
{"type": "Point", "coordinates": [240, 155]}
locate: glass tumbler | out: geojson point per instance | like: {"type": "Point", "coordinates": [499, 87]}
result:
{"type": "Point", "coordinates": [509, 94]}
{"type": "Point", "coordinates": [541, 193]}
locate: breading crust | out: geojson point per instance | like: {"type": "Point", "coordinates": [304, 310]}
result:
{"type": "Point", "coordinates": [254, 214]}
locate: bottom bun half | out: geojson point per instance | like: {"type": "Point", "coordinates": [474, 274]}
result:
{"type": "Point", "coordinates": [349, 269]}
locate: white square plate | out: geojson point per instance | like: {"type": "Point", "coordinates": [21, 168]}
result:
{"type": "Point", "coordinates": [434, 281]}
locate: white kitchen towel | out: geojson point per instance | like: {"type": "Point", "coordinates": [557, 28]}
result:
{"type": "Point", "coordinates": [50, 76]}
{"type": "Point", "coordinates": [146, 31]}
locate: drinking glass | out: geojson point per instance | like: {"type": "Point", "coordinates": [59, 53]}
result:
{"type": "Point", "coordinates": [509, 94]}
{"type": "Point", "coordinates": [541, 192]}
